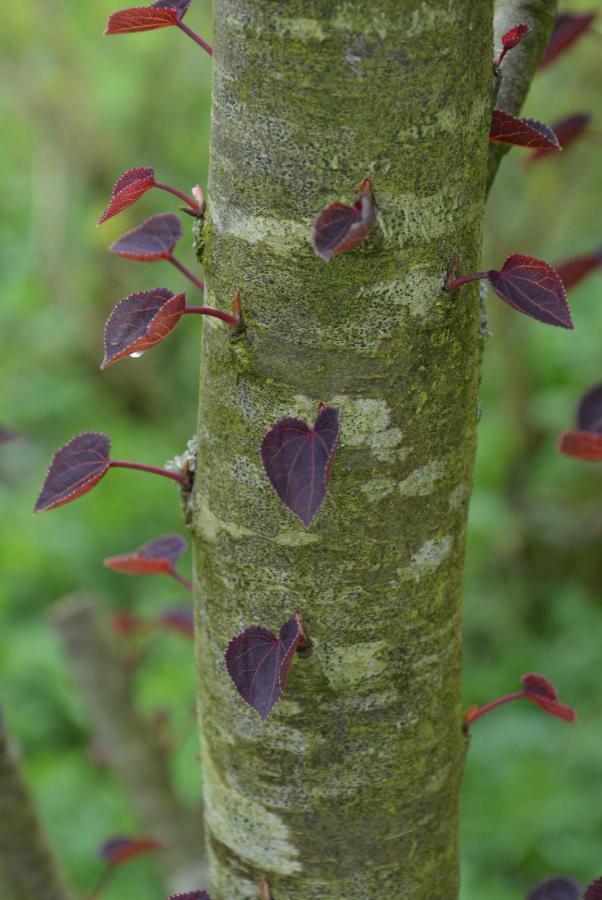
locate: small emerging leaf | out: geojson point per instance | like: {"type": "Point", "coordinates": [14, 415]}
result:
{"type": "Point", "coordinates": [559, 888]}
{"type": "Point", "coordinates": [589, 411]}
{"type": "Point", "coordinates": [534, 288]}
{"type": "Point", "coordinates": [141, 321]}
{"type": "Point", "coordinates": [75, 468]}
{"type": "Point", "coordinates": [567, 131]}
{"type": "Point", "coordinates": [340, 227]}
{"type": "Point", "coordinates": [128, 189]}
{"type": "Point", "coordinates": [120, 850]}
{"type": "Point", "coordinates": [543, 693]}
{"type": "Point", "coordinates": [258, 663]}
{"type": "Point", "coordinates": [508, 129]}
{"type": "Point", "coordinates": [568, 28]}
{"type": "Point", "coordinates": [154, 239]}
{"type": "Point", "coordinates": [180, 620]}
{"type": "Point", "coordinates": [156, 557]}
{"type": "Point", "coordinates": [147, 18]}
{"type": "Point", "coordinates": [581, 445]}
{"type": "Point", "coordinates": [577, 268]}
{"type": "Point", "coordinates": [594, 890]}
{"type": "Point", "coordinates": [511, 39]}
{"type": "Point", "coordinates": [298, 459]}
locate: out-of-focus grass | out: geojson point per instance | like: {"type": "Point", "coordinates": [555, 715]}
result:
{"type": "Point", "coordinates": [78, 110]}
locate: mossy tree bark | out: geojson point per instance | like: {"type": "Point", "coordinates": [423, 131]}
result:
{"type": "Point", "coordinates": [350, 788]}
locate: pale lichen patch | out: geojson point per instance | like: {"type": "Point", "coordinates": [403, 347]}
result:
{"type": "Point", "coordinates": [351, 665]}
{"type": "Point", "coordinates": [254, 833]}
{"type": "Point", "coordinates": [377, 488]}
{"type": "Point", "coordinates": [282, 236]}
{"type": "Point", "coordinates": [209, 526]}
{"type": "Point", "coordinates": [456, 498]}
{"type": "Point", "coordinates": [430, 555]}
{"type": "Point", "coordinates": [296, 537]}
{"type": "Point", "coordinates": [421, 482]}
{"type": "Point", "coordinates": [300, 29]}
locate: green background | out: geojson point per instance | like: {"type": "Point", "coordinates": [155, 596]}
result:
{"type": "Point", "coordinates": [77, 110]}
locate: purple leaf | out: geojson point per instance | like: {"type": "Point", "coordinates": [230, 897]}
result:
{"type": "Point", "coordinates": [120, 850]}
{"type": "Point", "coordinates": [258, 663]}
{"type": "Point", "coordinates": [559, 888]}
{"type": "Point", "coordinates": [569, 27]}
{"type": "Point", "coordinates": [154, 239]}
{"type": "Point", "coordinates": [191, 895]}
{"type": "Point", "coordinates": [508, 129]}
{"type": "Point", "coordinates": [511, 39]}
{"type": "Point", "coordinates": [147, 18]}
{"type": "Point", "coordinates": [129, 188]}
{"type": "Point", "coordinates": [75, 469]}
{"type": "Point", "coordinates": [543, 693]}
{"type": "Point", "coordinates": [534, 288]}
{"type": "Point", "coordinates": [156, 557]}
{"type": "Point", "coordinates": [298, 458]}
{"type": "Point", "coordinates": [180, 620]}
{"type": "Point", "coordinates": [340, 227]}
{"type": "Point", "coordinates": [567, 131]}
{"type": "Point", "coordinates": [589, 412]}
{"type": "Point", "coordinates": [141, 321]}
{"type": "Point", "coordinates": [581, 445]}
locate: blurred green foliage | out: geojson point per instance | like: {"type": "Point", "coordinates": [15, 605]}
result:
{"type": "Point", "coordinates": [77, 111]}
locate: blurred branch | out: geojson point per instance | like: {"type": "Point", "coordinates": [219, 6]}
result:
{"type": "Point", "coordinates": [521, 64]}
{"type": "Point", "coordinates": [127, 740]}
{"type": "Point", "coordinates": [27, 867]}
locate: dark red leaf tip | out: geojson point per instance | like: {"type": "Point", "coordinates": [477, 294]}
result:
{"type": "Point", "coordinates": [568, 28]}
{"type": "Point", "coordinates": [542, 692]}
{"type": "Point", "coordinates": [582, 445]}
{"type": "Point", "coordinates": [128, 188]}
{"type": "Point", "coordinates": [141, 321]}
{"type": "Point", "coordinates": [298, 460]}
{"type": "Point", "coordinates": [575, 269]}
{"type": "Point", "coordinates": [180, 620]}
{"type": "Point", "coordinates": [156, 557]}
{"type": "Point", "coordinates": [120, 850]}
{"type": "Point", "coordinates": [154, 239]}
{"type": "Point", "coordinates": [258, 663]}
{"type": "Point", "coordinates": [74, 470]}
{"type": "Point", "coordinates": [534, 288]}
{"type": "Point", "coordinates": [147, 18]}
{"type": "Point", "coordinates": [567, 131]}
{"type": "Point", "coordinates": [339, 227]}
{"type": "Point", "coordinates": [559, 888]}
{"type": "Point", "coordinates": [594, 890]}
{"type": "Point", "coordinates": [191, 895]}
{"type": "Point", "coordinates": [508, 129]}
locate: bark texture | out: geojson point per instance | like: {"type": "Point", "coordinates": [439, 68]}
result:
{"type": "Point", "coordinates": [127, 739]}
{"type": "Point", "coordinates": [28, 870]}
{"type": "Point", "coordinates": [350, 789]}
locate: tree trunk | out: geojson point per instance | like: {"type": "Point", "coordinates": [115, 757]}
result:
{"type": "Point", "coordinates": [350, 789]}
{"type": "Point", "coordinates": [28, 870]}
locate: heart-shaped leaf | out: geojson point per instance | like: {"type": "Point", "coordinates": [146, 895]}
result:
{"type": "Point", "coordinates": [156, 557]}
{"type": "Point", "coordinates": [511, 39]}
{"type": "Point", "coordinates": [147, 18]}
{"type": "Point", "coordinates": [559, 888]}
{"type": "Point", "coordinates": [567, 131]}
{"type": "Point", "coordinates": [589, 411]}
{"type": "Point", "coordinates": [75, 469]}
{"type": "Point", "coordinates": [258, 663]}
{"type": "Point", "coordinates": [543, 693]}
{"type": "Point", "coordinates": [594, 890]}
{"type": "Point", "coordinates": [534, 288]}
{"type": "Point", "coordinates": [141, 321]}
{"type": "Point", "coordinates": [120, 850]}
{"type": "Point", "coordinates": [340, 227]}
{"type": "Point", "coordinates": [180, 620]}
{"type": "Point", "coordinates": [568, 28]}
{"type": "Point", "coordinates": [191, 895]}
{"type": "Point", "coordinates": [508, 129]}
{"type": "Point", "coordinates": [298, 459]}
{"type": "Point", "coordinates": [154, 239]}
{"type": "Point", "coordinates": [581, 445]}
{"type": "Point", "coordinates": [129, 188]}
{"type": "Point", "coordinates": [574, 270]}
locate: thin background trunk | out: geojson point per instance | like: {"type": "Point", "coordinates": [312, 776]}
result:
{"type": "Point", "coordinates": [350, 789]}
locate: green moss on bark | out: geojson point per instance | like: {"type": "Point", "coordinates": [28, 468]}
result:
{"type": "Point", "coordinates": [350, 789]}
